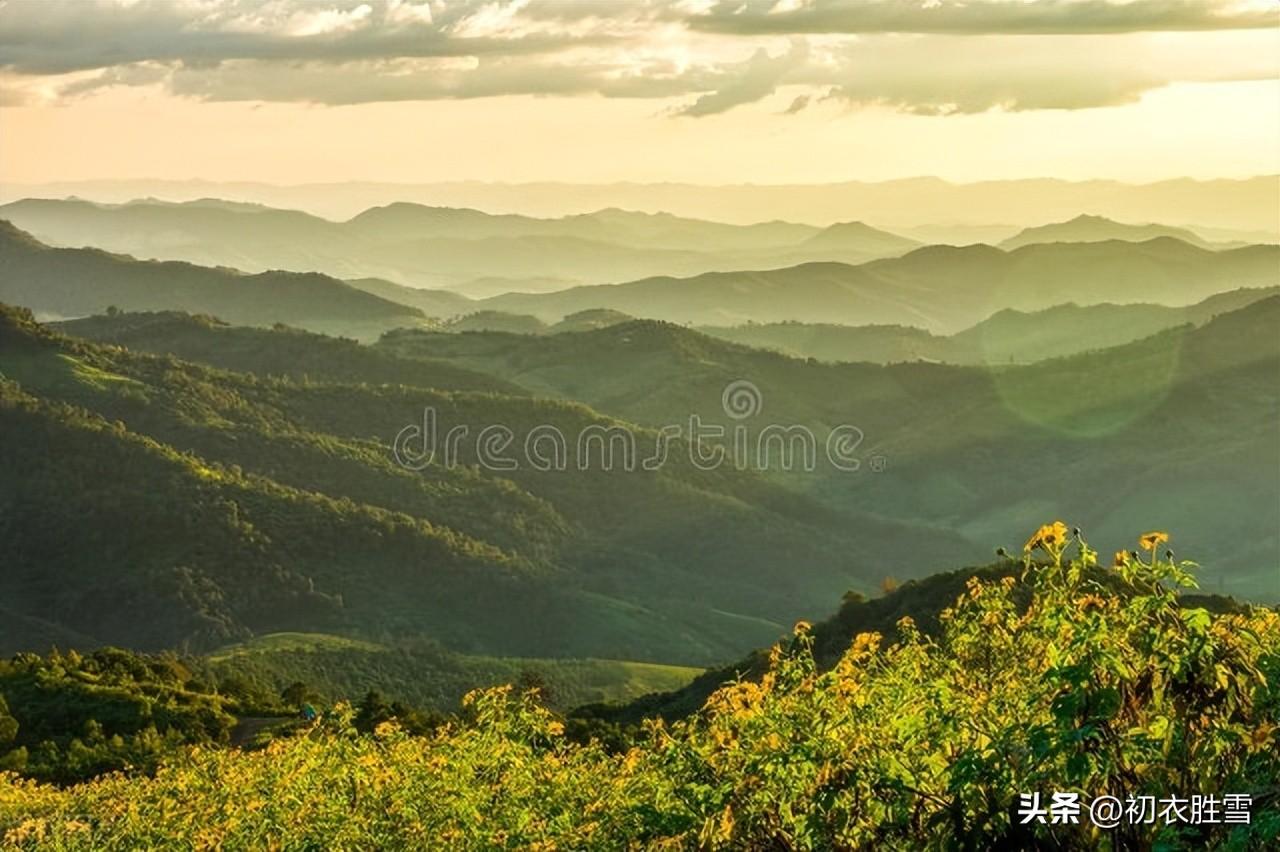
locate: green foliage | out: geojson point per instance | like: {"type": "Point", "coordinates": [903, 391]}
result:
{"type": "Point", "coordinates": [276, 504]}
{"type": "Point", "coordinates": [924, 744]}
{"type": "Point", "coordinates": [1180, 425]}
{"type": "Point", "coordinates": [68, 717]}
{"type": "Point", "coordinates": [280, 351]}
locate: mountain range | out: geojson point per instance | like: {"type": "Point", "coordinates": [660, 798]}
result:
{"type": "Point", "coordinates": [71, 282]}
{"type": "Point", "coordinates": [1095, 229]}
{"type": "Point", "coordinates": [1172, 430]}
{"type": "Point", "coordinates": [1007, 336]}
{"type": "Point", "coordinates": [264, 455]}
{"type": "Point", "coordinates": [1245, 208]}
{"type": "Point", "coordinates": [273, 501]}
{"type": "Point", "coordinates": [466, 250]}
{"type": "Point", "coordinates": [942, 289]}
{"type": "Point", "coordinates": [937, 288]}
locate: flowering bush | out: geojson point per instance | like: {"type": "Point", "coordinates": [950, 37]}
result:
{"type": "Point", "coordinates": [1103, 684]}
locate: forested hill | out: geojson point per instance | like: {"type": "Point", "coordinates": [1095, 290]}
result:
{"type": "Point", "coordinates": [286, 352]}
{"type": "Point", "coordinates": [1176, 428]}
{"type": "Point", "coordinates": [153, 502]}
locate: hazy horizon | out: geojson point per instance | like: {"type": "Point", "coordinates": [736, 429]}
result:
{"type": "Point", "coordinates": [792, 91]}
{"type": "Point", "coordinates": [1245, 206]}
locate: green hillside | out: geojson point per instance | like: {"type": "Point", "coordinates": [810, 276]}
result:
{"type": "Point", "coordinates": [1082, 678]}
{"type": "Point", "coordinates": [276, 504]}
{"type": "Point", "coordinates": [69, 716]}
{"type": "Point", "coordinates": [281, 351]}
{"type": "Point", "coordinates": [1007, 336]}
{"type": "Point", "coordinates": [960, 447]}
{"type": "Point", "coordinates": [426, 675]}
{"type": "Point", "coordinates": [922, 602]}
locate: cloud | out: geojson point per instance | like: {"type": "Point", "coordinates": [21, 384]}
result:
{"type": "Point", "coordinates": [981, 75]}
{"type": "Point", "coordinates": [797, 105]}
{"type": "Point", "coordinates": [60, 36]}
{"type": "Point", "coordinates": [748, 82]}
{"type": "Point", "coordinates": [979, 17]}
{"type": "Point", "coordinates": [1017, 73]}
{"type": "Point", "coordinates": [922, 56]}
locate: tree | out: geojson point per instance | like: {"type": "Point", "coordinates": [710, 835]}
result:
{"type": "Point", "coordinates": [297, 693]}
{"type": "Point", "coordinates": [372, 711]}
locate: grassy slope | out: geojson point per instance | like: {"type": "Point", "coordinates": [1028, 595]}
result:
{"type": "Point", "coordinates": [427, 676]}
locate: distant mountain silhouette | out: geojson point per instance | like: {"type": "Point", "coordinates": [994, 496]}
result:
{"type": "Point", "coordinates": [73, 282]}
{"type": "Point", "coordinates": [943, 289]}
{"type": "Point", "coordinates": [1095, 229]}
{"type": "Point", "coordinates": [474, 252]}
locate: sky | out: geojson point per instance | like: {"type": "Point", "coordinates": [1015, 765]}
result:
{"type": "Point", "coordinates": [759, 91]}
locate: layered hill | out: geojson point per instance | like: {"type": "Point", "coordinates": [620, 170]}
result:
{"type": "Point", "coordinates": [473, 252]}
{"type": "Point", "coordinates": [272, 503]}
{"type": "Point", "coordinates": [280, 351]}
{"type": "Point", "coordinates": [1174, 430]}
{"type": "Point", "coordinates": [942, 289]}
{"type": "Point", "coordinates": [1008, 336]}
{"type": "Point", "coordinates": [1096, 229]}
{"type": "Point", "coordinates": [1242, 206]}
{"type": "Point", "coordinates": [69, 282]}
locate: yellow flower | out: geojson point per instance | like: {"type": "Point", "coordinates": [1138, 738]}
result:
{"type": "Point", "coordinates": [802, 626]}
{"type": "Point", "coordinates": [555, 728]}
{"type": "Point", "coordinates": [1151, 540]}
{"type": "Point", "coordinates": [1121, 558]}
{"type": "Point", "coordinates": [1050, 537]}
{"type": "Point", "coordinates": [1089, 602]}
{"type": "Point", "coordinates": [726, 823]}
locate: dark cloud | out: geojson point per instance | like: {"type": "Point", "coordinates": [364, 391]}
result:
{"type": "Point", "coordinates": [857, 51]}
{"type": "Point", "coordinates": [60, 36]}
{"type": "Point", "coordinates": [975, 17]}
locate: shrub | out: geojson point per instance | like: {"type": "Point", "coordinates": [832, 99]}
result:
{"type": "Point", "coordinates": [1100, 684]}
